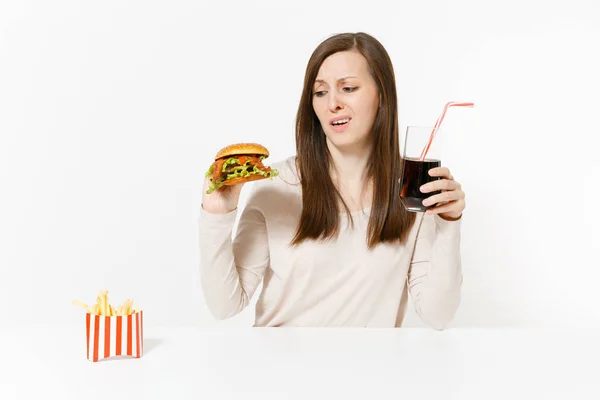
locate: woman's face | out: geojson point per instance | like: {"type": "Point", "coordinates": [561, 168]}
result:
{"type": "Point", "coordinates": [344, 91]}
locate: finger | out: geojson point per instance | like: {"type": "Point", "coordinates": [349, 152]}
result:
{"type": "Point", "coordinates": [449, 196]}
{"type": "Point", "coordinates": [222, 190]}
{"type": "Point", "coordinates": [454, 207]}
{"type": "Point", "coordinates": [441, 184]}
{"type": "Point", "coordinates": [443, 172]}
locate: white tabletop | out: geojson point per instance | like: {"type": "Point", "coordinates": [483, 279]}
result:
{"type": "Point", "coordinates": [297, 363]}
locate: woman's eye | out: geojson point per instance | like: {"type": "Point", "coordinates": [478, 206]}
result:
{"type": "Point", "coordinates": [320, 93]}
{"type": "Point", "coordinates": [350, 88]}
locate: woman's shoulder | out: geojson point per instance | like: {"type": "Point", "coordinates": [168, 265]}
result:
{"type": "Point", "coordinates": [285, 178]}
{"type": "Point", "coordinates": [287, 172]}
{"type": "Point", "coordinates": [283, 191]}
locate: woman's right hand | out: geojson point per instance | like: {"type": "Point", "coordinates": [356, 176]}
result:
{"type": "Point", "coordinates": [223, 200]}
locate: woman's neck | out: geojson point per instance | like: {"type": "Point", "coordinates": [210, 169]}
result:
{"type": "Point", "coordinates": [348, 171]}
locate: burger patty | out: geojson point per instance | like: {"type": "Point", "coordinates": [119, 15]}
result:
{"type": "Point", "coordinates": [251, 160]}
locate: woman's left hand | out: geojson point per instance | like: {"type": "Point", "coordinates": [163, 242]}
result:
{"type": "Point", "coordinates": [451, 202]}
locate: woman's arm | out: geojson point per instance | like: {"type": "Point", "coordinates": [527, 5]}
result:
{"type": "Point", "coordinates": [435, 273]}
{"type": "Point", "coordinates": [231, 270]}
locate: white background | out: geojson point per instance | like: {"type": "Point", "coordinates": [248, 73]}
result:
{"type": "Point", "coordinates": [111, 112]}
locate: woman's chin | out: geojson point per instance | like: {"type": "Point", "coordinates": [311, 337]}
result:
{"type": "Point", "coordinates": [346, 141]}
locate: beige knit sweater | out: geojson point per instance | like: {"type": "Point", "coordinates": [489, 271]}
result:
{"type": "Point", "coordinates": [336, 283]}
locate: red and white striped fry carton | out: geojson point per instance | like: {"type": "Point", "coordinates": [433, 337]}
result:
{"type": "Point", "coordinates": [121, 335]}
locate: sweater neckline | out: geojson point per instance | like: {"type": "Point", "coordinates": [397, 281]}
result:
{"type": "Point", "coordinates": [364, 211]}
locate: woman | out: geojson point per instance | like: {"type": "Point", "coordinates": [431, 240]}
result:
{"type": "Point", "coordinates": [329, 238]}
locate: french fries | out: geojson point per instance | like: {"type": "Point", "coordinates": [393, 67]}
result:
{"type": "Point", "coordinates": [104, 308]}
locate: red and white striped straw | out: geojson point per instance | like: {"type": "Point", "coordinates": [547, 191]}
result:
{"type": "Point", "coordinates": [438, 123]}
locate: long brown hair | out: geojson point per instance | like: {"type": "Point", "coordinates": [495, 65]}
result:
{"type": "Point", "coordinates": [388, 221]}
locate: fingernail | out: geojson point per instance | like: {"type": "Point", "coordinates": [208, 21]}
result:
{"type": "Point", "coordinates": [422, 188]}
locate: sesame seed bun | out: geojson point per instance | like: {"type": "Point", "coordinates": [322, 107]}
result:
{"type": "Point", "coordinates": [241, 149]}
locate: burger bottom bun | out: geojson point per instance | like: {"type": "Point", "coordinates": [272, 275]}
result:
{"type": "Point", "coordinates": [242, 179]}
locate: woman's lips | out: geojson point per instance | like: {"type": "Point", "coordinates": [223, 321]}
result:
{"type": "Point", "coordinates": [341, 127]}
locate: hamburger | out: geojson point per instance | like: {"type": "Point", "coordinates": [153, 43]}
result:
{"type": "Point", "coordinates": [237, 163]}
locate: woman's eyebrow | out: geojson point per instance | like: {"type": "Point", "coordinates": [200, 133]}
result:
{"type": "Point", "coordinates": [339, 80]}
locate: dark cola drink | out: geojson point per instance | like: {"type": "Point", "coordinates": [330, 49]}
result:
{"type": "Point", "coordinates": [415, 173]}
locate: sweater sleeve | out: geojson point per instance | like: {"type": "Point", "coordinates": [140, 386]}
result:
{"type": "Point", "coordinates": [435, 272]}
{"type": "Point", "coordinates": [232, 268]}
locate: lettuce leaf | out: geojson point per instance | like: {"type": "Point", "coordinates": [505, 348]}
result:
{"type": "Point", "coordinates": [232, 169]}
{"type": "Point", "coordinates": [208, 173]}
{"type": "Point", "coordinates": [232, 160]}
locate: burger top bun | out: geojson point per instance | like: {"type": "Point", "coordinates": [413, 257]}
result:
{"type": "Point", "coordinates": [242, 149]}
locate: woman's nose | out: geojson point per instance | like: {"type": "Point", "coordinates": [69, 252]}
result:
{"type": "Point", "coordinates": [335, 103]}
